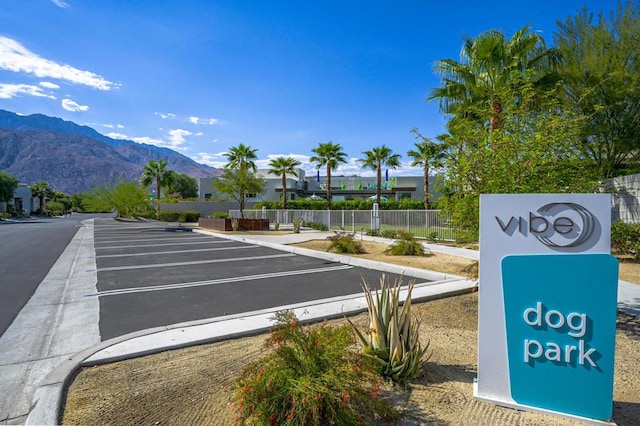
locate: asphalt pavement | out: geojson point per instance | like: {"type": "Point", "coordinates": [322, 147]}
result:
{"type": "Point", "coordinates": [120, 290]}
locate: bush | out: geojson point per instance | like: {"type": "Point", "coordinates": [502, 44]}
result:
{"type": "Point", "coordinates": [390, 233]}
{"type": "Point", "coordinates": [345, 243]}
{"type": "Point", "coordinates": [310, 377]}
{"type": "Point", "coordinates": [393, 339]}
{"type": "Point", "coordinates": [168, 216]}
{"type": "Point", "coordinates": [54, 208]}
{"type": "Point", "coordinates": [406, 245]}
{"type": "Point", "coordinates": [625, 239]}
{"type": "Point", "coordinates": [373, 232]}
{"type": "Point", "coordinates": [220, 215]}
{"type": "Point", "coordinates": [317, 226]}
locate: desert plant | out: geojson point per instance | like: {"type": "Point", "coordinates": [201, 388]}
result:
{"type": "Point", "coordinates": [406, 245]}
{"type": "Point", "coordinates": [234, 223]}
{"type": "Point", "coordinates": [345, 243]}
{"type": "Point", "coordinates": [317, 226]}
{"type": "Point", "coordinates": [393, 336]}
{"type": "Point", "coordinates": [310, 376]}
{"type": "Point", "coordinates": [276, 226]}
{"type": "Point", "coordinates": [296, 225]}
{"type": "Point", "coordinates": [390, 233]}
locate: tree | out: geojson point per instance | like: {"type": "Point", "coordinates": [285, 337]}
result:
{"type": "Point", "coordinates": [8, 185]}
{"type": "Point", "coordinates": [376, 159]}
{"type": "Point", "coordinates": [41, 190]}
{"type": "Point", "coordinates": [241, 157]}
{"type": "Point", "coordinates": [491, 65]}
{"type": "Point", "coordinates": [533, 152]}
{"type": "Point", "coordinates": [156, 171]}
{"type": "Point", "coordinates": [426, 155]}
{"type": "Point", "coordinates": [282, 166]}
{"type": "Point", "coordinates": [127, 198]}
{"type": "Point", "coordinates": [181, 186]}
{"type": "Point", "coordinates": [239, 184]}
{"type": "Point", "coordinates": [328, 154]}
{"type": "Point", "coordinates": [601, 81]}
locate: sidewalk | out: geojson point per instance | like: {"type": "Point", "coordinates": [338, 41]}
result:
{"type": "Point", "coordinates": [48, 397]}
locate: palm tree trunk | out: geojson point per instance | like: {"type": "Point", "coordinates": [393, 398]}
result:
{"type": "Point", "coordinates": [158, 197]}
{"type": "Point", "coordinates": [328, 186]}
{"type": "Point", "coordinates": [284, 191]}
{"type": "Point", "coordinates": [379, 184]}
{"type": "Point", "coordinates": [426, 188]}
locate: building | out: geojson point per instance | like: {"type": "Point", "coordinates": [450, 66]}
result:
{"type": "Point", "coordinates": [22, 203]}
{"type": "Point", "coordinates": [343, 187]}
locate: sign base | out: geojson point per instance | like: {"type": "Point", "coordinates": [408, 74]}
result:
{"type": "Point", "coordinates": [521, 407]}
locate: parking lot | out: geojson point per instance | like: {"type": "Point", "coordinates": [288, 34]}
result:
{"type": "Point", "coordinates": [152, 275]}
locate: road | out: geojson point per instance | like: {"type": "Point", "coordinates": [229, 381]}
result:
{"type": "Point", "coordinates": [28, 250]}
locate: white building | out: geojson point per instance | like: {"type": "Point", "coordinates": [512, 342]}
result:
{"type": "Point", "coordinates": [343, 187]}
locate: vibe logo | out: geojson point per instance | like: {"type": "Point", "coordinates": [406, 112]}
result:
{"type": "Point", "coordinates": [554, 225]}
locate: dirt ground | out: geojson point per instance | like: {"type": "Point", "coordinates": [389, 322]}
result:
{"type": "Point", "coordinates": [193, 385]}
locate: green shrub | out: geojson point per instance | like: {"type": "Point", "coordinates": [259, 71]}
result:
{"type": "Point", "coordinates": [625, 239]}
{"type": "Point", "coordinates": [390, 233]}
{"type": "Point", "coordinates": [276, 225]}
{"type": "Point", "coordinates": [405, 245]}
{"type": "Point", "coordinates": [373, 232]}
{"type": "Point", "coordinates": [393, 339]}
{"type": "Point", "coordinates": [345, 243]}
{"type": "Point", "coordinates": [189, 216]}
{"type": "Point", "coordinates": [311, 376]}
{"type": "Point", "coordinates": [54, 208]}
{"type": "Point", "coordinates": [220, 215]}
{"type": "Point", "coordinates": [169, 216]}
{"type": "Point", "coordinates": [317, 226]}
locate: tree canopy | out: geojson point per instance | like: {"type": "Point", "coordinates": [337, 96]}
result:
{"type": "Point", "coordinates": [329, 155]}
{"type": "Point", "coordinates": [282, 166]}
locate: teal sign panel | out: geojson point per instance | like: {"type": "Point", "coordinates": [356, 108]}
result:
{"type": "Point", "coordinates": [560, 317]}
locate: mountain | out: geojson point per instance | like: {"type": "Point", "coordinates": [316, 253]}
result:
{"type": "Point", "coordinates": [74, 158]}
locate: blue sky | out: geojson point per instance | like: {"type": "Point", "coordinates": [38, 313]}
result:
{"type": "Point", "coordinates": [200, 76]}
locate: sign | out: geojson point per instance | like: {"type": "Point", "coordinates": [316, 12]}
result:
{"type": "Point", "coordinates": [547, 304]}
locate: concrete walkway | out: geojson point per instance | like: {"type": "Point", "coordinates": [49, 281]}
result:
{"type": "Point", "coordinates": [57, 368]}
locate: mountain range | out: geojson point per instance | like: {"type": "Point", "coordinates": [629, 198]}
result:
{"type": "Point", "coordinates": [73, 158]}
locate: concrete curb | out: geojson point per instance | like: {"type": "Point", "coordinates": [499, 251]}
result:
{"type": "Point", "coordinates": [49, 396]}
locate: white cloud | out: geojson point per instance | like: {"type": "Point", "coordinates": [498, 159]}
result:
{"type": "Point", "coordinates": [165, 116]}
{"type": "Point", "coordinates": [49, 85]}
{"type": "Point", "coordinates": [198, 134]}
{"type": "Point", "coordinates": [211, 159]}
{"type": "Point", "coordinates": [15, 57]}
{"type": "Point", "coordinates": [205, 121]}
{"type": "Point", "coordinates": [60, 4]}
{"type": "Point", "coordinates": [8, 91]}
{"type": "Point", "coordinates": [176, 137]}
{"type": "Point", "coordinates": [73, 106]}
{"type": "Point", "coordinates": [114, 135]}
{"type": "Point", "coordinates": [113, 126]}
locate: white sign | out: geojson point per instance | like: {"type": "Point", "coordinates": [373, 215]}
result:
{"type": "Point", "coordinates": [547, 303]}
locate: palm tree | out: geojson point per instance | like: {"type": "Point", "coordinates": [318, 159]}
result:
{"type": "Point", "coordinates": [328, 154]}
{"type": "Point", "coordinates": [379, 157]}
{"type": "Point", "coordinates": [241, 157]}
{"type": "Point", "coordinates": [426, 155]}
{"type": "Point", "coordinates": [490, 65]}
{"type": "Point", "coordinates": [282, 166]}
{"type": "Point", "coordinates": [156, 171]}
{"type": "Point", "coordinates": [41, 190]}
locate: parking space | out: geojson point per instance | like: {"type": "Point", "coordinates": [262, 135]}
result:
{"type": "Point", "coordinates": [151, 275]}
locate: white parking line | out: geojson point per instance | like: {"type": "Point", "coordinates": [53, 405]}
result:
{"type": "Point", "coordinates": [167, 244]}
{"type": "Point", "coordinates": [177, 251]}
{"type": "Point", "coordinates": [195, 262]}
{"type": "Point", "coordinates": [120, 240]}
{"type": "Point", "coordinates": [220, 281]}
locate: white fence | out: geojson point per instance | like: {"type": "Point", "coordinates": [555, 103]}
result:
{"type": "Point", "coordinates": [432, 224]}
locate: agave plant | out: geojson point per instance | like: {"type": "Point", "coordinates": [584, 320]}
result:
{"type": "Point", "coordinates": [393, 336]}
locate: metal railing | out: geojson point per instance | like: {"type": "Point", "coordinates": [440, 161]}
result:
{"type": "Point", "coordinates": [432, 224]}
